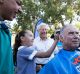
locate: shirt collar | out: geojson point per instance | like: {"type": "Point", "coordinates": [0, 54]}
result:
{"type": "Point", "coordinates": [3, 26]}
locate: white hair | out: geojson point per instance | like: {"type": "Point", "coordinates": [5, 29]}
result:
{"type": "Point", "coordinates": [43, 24]}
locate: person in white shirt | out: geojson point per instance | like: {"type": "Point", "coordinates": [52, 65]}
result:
{"type": "Point", "coordinates": [43, 43]}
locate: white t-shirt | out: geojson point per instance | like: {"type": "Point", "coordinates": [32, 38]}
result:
{"type": "Point", "coordinates": [44, 45]}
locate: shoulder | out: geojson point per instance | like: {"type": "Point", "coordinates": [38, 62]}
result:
{"type": "Point", "coordinates": [37, 38]}
{"type": "Point", "coordinates": [49, 39]}
{"type": "Point", "coordinates": [55, 61]}
{"type": "Point", "coordinates": [25, 49]}
{"type": "Point", "coordinates": [51, 67]}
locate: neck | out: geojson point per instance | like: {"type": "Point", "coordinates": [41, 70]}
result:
{"type": "Point", "coordinates": [69, 48]}
{"type": "Point", "coordinates": [1, 19]}
{"type": "Point", "coordinates": [43, 38]}
{"type": "Point", "coordinates": [1, 14]}
{"type": "Point", "coordinates": [24, 44]}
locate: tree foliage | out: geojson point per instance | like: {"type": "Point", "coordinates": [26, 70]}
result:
{"type": "Point", "coordinates": [49, 10]}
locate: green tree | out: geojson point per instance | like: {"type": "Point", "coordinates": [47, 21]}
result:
{"type": "Point", "coordinates": [50, 11]}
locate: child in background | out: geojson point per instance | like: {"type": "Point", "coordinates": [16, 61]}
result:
{"type": "Point", "coordinates": [26, 52]}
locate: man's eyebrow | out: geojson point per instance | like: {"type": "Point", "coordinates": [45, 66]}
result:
{"type": "Point", "coordinates": [73, 32]}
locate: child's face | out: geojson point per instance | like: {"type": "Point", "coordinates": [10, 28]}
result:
{"type": "Point", "coordinates": [28, 38]}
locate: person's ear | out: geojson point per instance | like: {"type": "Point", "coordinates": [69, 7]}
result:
{"type": "Point", "coordinates": [61, 38]}
{"type": "Point", "coordinates": [22, 38]}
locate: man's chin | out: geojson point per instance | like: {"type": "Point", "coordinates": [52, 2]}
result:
{"type": "Point", "coordinates": [75, 46]}
{"type": "Point", "coordinates": [9, 19]}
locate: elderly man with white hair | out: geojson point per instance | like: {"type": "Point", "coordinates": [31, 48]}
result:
{"type": "Point", "coordinates": [67, 61]}
{"type": "Point", "coordinates": [43, 43]}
